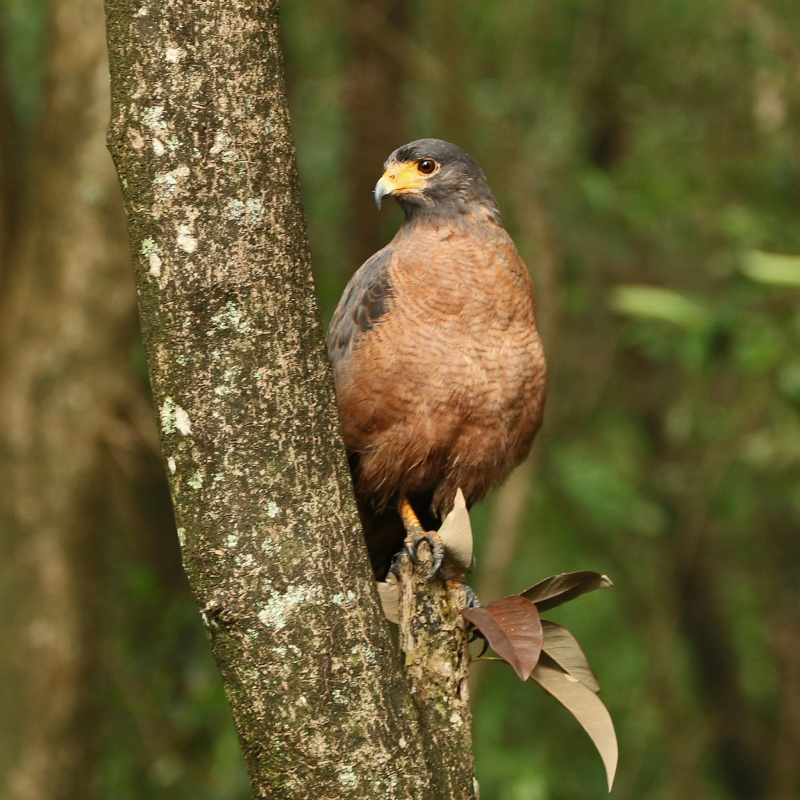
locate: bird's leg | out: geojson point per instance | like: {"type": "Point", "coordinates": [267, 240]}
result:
{"type": "Point", "coordinates": [415, 534]}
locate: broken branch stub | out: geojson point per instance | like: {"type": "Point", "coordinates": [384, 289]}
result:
{"type": "Point", "coordinates": [433, 639]}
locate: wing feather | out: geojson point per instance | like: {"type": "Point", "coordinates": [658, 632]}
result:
{"type": "Point", "coordinates": [364, 302]}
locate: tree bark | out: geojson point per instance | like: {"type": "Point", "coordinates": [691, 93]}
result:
{"type": "Point", "coordinates": [68, 326]}
{"type": "Point", "coordinates": [433, 638]}
{"type": "Point", "coordinates": [269, 532]}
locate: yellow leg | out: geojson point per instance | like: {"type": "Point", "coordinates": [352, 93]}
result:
{"type": "Point", "coordinates": [410, 519]}
{"type": "Point", "coordinates": [415, 533]}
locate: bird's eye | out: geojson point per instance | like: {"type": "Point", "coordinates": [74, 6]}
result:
{"type": "Point", "coordinates": [426, 166]}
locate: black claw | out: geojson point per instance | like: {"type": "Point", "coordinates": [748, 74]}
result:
{"type": "Point", "coordinates": [472, 600]}
{"type": "Point", "coordinates": [438, 555]}
{"type": "Point", "coordinates": [476, 634]}
{"type": "Point", "coordinates": [394, 567]}
{"type": "Point", "coordinates": [410, 549]}
{"type": "Point", "coordinates": [435, 543]}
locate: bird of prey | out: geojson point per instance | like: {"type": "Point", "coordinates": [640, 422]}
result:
{"type": "Point", "coordinates": [439, 368]}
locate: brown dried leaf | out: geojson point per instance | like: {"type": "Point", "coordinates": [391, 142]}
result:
{"type": "Point", "coordinates": [456, 536]}
{"type": "Point", "coordinates": [585, 706]}
{"type": "Point", "coordinates": [389, 594]}
{"type": "Point", "coordinates": [513, 630]}
{"type": "Point", "coordinates": [564, 649]}
{"type": "Point", "coordinates": [558, 589]}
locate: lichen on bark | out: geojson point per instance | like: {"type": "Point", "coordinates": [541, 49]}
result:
{"type": "Point", "coordinates": [269, 533]}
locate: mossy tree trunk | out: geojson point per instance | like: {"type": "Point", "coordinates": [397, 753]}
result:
{"type": "Point", "coordinates": [270, 537]}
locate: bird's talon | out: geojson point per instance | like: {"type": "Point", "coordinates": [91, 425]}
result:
{"type": "Point", "coordinates": [434, 542]}
{"type": "Point", "coordinates": [438, 557]}
{"type": "Point", "coordinates": [397, 561]}
{"type": "Point", "coordinates": [471, 601]}
{"type": "Point", "coordinates": [410, 550]}
{"type": "Point", "coordinates": [476, 634]}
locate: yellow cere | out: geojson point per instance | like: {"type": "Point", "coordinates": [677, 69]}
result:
{"type": "Point", "coordinates": [403, 178]}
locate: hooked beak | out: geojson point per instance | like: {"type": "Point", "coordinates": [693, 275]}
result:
{"type": "Point", "coordinates": [399, 179]}
{"type": "Point", "coordinates": [382, 188]}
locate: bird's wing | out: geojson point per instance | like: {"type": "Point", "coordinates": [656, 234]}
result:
{"type": "Point", "coordinates": [364, 302]}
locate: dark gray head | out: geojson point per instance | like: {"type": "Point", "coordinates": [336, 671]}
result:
{"type": "Point", "coordinates": [432, 178]}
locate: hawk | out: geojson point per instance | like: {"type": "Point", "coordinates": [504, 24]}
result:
{"type": "Point", "coordinates": [438, 365]}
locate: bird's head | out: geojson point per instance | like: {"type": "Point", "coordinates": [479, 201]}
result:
{"type": "Point", "coordinates": [432, 178]}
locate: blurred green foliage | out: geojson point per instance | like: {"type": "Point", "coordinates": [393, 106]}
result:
{"type": "Point", "coordinates": [23, 25]}
{"type": "Point", "coordinates": [645, 157]}
{"type": "Point", "coordinates": [166, 726]}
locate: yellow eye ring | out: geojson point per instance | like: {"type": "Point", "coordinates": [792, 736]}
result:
{"type": "Point", "coordinates": [427, 166]}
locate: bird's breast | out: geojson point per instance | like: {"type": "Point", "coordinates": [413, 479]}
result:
{"type": "Point", "coordinates": [448, 384]}
{"type": "Point", "coordinates": [461, 281]}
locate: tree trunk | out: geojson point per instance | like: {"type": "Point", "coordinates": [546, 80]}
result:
{"type": "Point", "coordinates": [68, 325]}
{"type": "Point", "coordinates": [270, 536]}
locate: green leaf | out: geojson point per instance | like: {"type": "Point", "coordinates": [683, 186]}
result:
{"type": "Point", "coordinates": [773, 268]}
{"type": "Point", "coordinates": [564, 649]}
{"type": "Point", "coordinates": [654, 302]}
{"type": "Point", "coordinates": [558, 589]}
{"type": "Point", "coordinates": [585, 706]}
